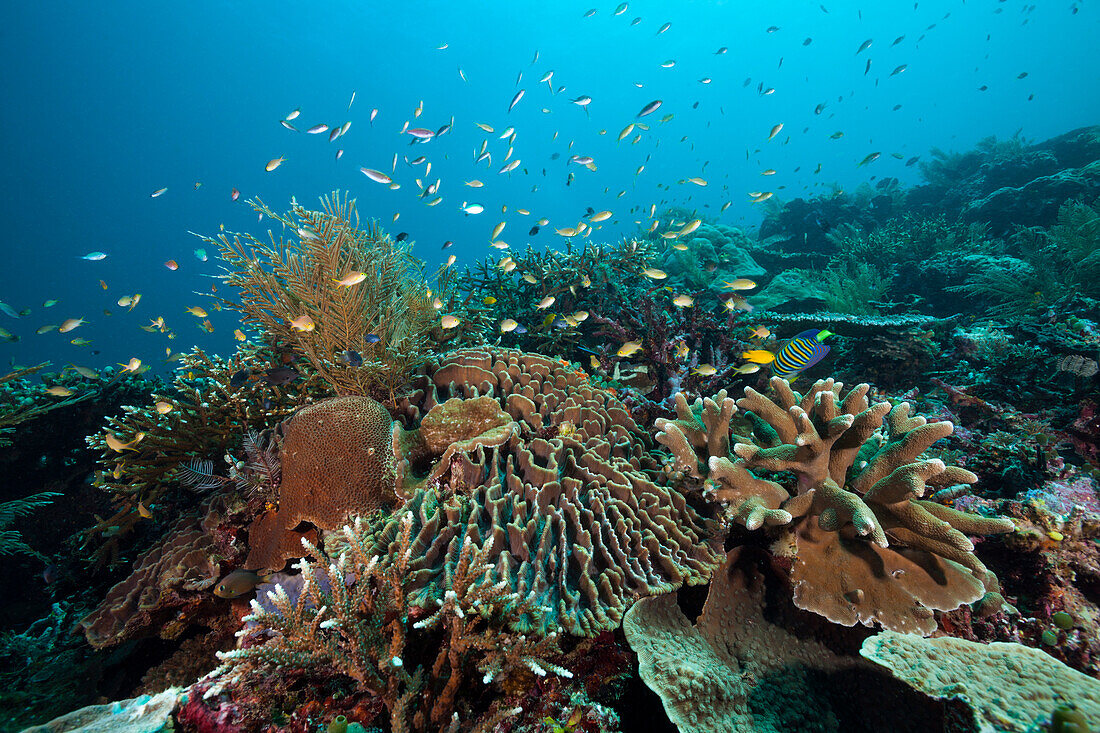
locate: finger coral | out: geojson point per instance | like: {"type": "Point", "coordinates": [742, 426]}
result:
{"type": "Point", "coordinates": [335, 461]}
{"type": "Point", "coordinates": [846, 478]}
{"type": "Point", "coordinates": [556, 474]}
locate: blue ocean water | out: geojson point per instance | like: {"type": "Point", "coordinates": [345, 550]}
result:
{"type": "Point", "coordinates": [107, 103]}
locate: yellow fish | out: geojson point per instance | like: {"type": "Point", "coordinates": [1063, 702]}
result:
{"type": "Point", "coordinates": [303, 323]}
{"type": "Point", "coordinates": [508, 325]}
{"type": "Point", "coordinates": [164, 407]}
{"type": "Point", "coordinates": [239, 334]}
{"type": "Point", "coordinates": [629, 348]}
{"type": "Point", "coordinates": [682, 350]}
{"type": "Point", "coordinates": [683, 301]}
{"type": "Point", "coordinates": [450, 321]}
{"type": "Point", "coordinates": [579, 316]}
{"type": "Point", "coordinates": [489, 300]}
{"type": "Point", "coordinates": [698, 181]}
{"type": "Point", "coordinates": [197, 312]}
{"type": "Point", "coordinates": [546, 302]}
{"type": "Point", "coordinates": [690, 227]}
{"type": "Point", "coordinates": [59, 391]}
{"type": "Point", "coordinates": [704, 370]}
{"type": "Point", "coordinates": [274, 163]}
{"type": "Point", "coordinates": [600, 216]}
{"type": "Point", "coordinates": [758, 356]}
{"type": "Point", "coordinates": [352, 278]}
{"type": "Point", "coordinates": [741, 283]}
{"type": "Point", "coordinates": [748, 369]}
{"type": "Point", "coordinates": [654, 273]}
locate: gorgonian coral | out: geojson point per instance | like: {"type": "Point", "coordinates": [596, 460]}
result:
{"type": "Point", "coordinates": [844, 478]}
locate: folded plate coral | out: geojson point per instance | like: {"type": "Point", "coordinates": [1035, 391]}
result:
{"type": "Point", "coordinates": [866, 548]}
{"type": "Point", "coordinates": [522, 449]}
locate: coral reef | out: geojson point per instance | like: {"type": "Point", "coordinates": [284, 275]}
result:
{"type": "Point", "coordinates": [351, 618]}
{"type": "Point", "coordinates": [292, 289]}
{"type": "Point", "coordinates": [865, 546]}
{"type": "Point", "coordinates": [578, 527]}
{"type": "Point", "coordinates": [144, 452]}
{"type": "Point", "coordinates": [1009, 687]}
{"type": "Point", "coordinates": [335, 462]}
{"type": "Point", "coordinates": [144, 714]}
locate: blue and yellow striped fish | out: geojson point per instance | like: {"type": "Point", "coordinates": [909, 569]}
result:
{"type": "Point", "coordinates": [796, 356]}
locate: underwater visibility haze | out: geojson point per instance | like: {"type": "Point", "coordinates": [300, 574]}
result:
{"type": "Point", "coordinates": [697, 366]}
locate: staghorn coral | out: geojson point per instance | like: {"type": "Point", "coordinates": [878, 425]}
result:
{"type": "Point", "coordinates": [1008, 687]}
{"type": "Point", "coordinates": [708, 675]}
{"type": "Point", "coordinates": [19, 402]}
{"type": "Point", "coordinates": [579, 528]}
{"type": "Point", "coordinates": [207, 417]}
{"type": "Point", "coordinates": [866, 548]}
{"type": "Point", "coordinates": [352, 618]}
{"type": "Point", "coordinates": [291, 277]}
{"type": "Point", "coordinates": [335, 462]}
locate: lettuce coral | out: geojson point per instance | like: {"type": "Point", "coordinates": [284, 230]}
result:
{"type": "Point", "coordinates": [845, 477]}
{"type": "Point", "coordinates": [557, 475]}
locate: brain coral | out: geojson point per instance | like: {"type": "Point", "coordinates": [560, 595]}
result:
{"type": "Point", "coordinates": [866, 547]}
{"type": "Point", "coordinates": [521, 449]}
{"type": "Point", "coordinates": [336, 462]}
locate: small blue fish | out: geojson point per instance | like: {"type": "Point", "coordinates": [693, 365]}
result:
{"type": "Point", "coordinates": [94, 256]}
{"type": "Point", "coordinates": [801, 353]}
{"type": "Point", "coordinates": [351, 358]}
{"type": "Point", "coordinates": [372, 338]}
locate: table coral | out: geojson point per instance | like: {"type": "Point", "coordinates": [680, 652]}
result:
{"type": "Point", "coordinates": [336, 462]}
{"type": "Point", "coordinates": [866, 548]}
{"type": "Point", "coordinates": [1009, 687]}
{"type": "Point", "coordinates": [564, 489]}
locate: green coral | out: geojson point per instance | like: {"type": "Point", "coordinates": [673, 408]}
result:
{"type": "Point", "coordinates": [11, 541]}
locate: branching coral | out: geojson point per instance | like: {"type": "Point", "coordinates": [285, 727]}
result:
{"type": "Point", "coordinates": [11, 542]}
{"type": "Point", "coordinates": [352, 618]}
{"type": "Point", "coordinates": [208, 415]}
{"type": "Point", "coordinates": [386, 317]}
{"type": "Point", "coordinates": [867, 548]}
{"type": "Point", "coordinates": [561, 484]}
{"type": "Point", "coordinates": [18, 403]}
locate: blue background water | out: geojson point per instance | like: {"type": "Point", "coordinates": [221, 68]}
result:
{"type": "Point", "coordinates": [109, 102]}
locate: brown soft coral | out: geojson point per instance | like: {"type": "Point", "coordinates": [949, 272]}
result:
{"type": "Point", "coordinates": [336, 462]}
{"type": "Point", "coordinates": [557, 475]}
{"type": "Point", "coordinates": [867, 547]}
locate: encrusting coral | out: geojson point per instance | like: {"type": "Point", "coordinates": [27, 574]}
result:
{"type": "Point", "coordinates": [705, 674]}
{"type": "Point", "coordinates": [335, 463]}
{"type": "Point", "coordinates": [866, 548]}
{"type": "Point", "coordinates": [1008, 687]}
{"type": "Point", "coordinates": [556, 474]}
{"type": "Point", "coordinates": [297, 290]}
